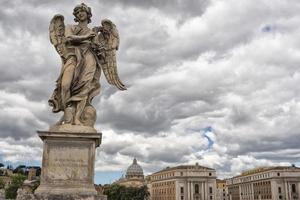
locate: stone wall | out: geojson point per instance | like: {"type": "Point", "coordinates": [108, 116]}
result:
{"type": "Point", "coordinates": [2, 194]}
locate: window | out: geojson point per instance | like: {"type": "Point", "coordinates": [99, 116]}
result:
{"type": "Point", "coordinates": [209, 174]}
{"type": "Point", "coordinates": [279, 189]}
{"type": "Point", "coordinates": [181, 190]}
{"type": "Point", "coordinates": [197, 189]}
{"type": "Point", "coordinates": [181, 173]}
{"type": "Point", "coordinates": [210, 190]}
{"type": "Point", "coordinates": [293, 188]}
{"type": "Point", "coordinates": [278, 174]}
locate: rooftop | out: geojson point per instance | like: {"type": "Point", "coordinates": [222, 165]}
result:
{"type": "Point", "coordinates": [264, 169]}
{"type": "Point", "coordinates": [185, 167]}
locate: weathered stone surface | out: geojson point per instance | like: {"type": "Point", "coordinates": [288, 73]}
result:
{"type": "Point", "coordinates": [72, 129]}
{"type": "Point", "coordinates": [84, 53]}
{"type": "Point", "coordinates": [68, 163]}
{"type": "Point", "coordinates": [60, 197]}
{"type": "Point", "coordinates": [2, 194]}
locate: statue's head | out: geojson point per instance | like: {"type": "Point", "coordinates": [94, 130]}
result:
{"type": "Point", "coordinates": [85, 8]}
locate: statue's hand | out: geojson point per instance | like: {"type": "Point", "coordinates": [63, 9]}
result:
{"type": "Point", "coordinates": [96, 29]}
{"type": "Point", "coordinates": [91, 35]}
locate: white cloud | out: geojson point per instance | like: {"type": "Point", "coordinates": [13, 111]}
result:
{"type": "Point", "coordinates": [229, 65]}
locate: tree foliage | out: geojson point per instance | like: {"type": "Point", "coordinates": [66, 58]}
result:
{"type": "Point", "coordinates": [20, 170]}
{"type": "Point", "coordinates": [16, 183]}
{"type": "Point", "coordinates": [118, 192]}
{"type": "Point", "coordinates": [2, 183]}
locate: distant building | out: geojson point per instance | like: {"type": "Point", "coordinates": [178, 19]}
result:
{"type": "Point", "coordinates": [184, 182]}
{"type": "Point", "coordinates": [267, 183]}
{"type": "Point", "coordinates": [134, 176]}
{"type": "Point", "coordinates": [5, 175]}
{"type": "Point", "coordinates": [221, 192]}
{"type": "Point", "coordinates": [32, 173]}
{"type": "Point", "coordinates": [6, 172]}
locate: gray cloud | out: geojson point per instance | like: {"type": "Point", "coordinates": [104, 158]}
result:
{"type": "Point", "coordinates": [188, 65]}
{"type": "Point", "coordinates": [180, 8]}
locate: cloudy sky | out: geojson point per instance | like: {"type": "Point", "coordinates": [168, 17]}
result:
{"type": "Point", "coordinates": [209, 81]}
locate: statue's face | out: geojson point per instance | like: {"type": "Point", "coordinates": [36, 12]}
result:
{"type": "Point", "coordinates": [81, 15]}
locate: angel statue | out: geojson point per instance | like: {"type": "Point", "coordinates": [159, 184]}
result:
{"type": "Point", "coordinates": [84, 52]}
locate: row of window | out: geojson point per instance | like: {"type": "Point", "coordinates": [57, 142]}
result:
{"type": "Point", "coordinates": [196, 188]}
{"type": "Point", "coordinates": [253, 177]}
{"type": "Point", "coordinates": [261, 190]}
{"type": "Point", "coordinates": [169, 183]}
{"type": "Point", "coordinates": [163, 191]}
{"type": "Point", "coordinates": [164, 198]}
{"type": "Point", "coordinates": [162, 176]}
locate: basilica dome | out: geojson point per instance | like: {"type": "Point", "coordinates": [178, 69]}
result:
{"type": "Point", "coordinates": [134, 170]}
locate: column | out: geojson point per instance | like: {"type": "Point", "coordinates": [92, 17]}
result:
{"type": "Point", "coordinates": [192, 190]}
{"type": "Point", "coordinates": [188, 190]}
{"type": "Point", "coordinates": [206, 190]}
{"type": "Point", "coordinates": [287, 191]}
{"type": "Point", "coordinates": [202, 191]}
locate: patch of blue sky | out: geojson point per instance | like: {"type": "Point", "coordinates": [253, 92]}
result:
{"type": "Point", "coordinates": [210, 141]}
{"type": "Point", "coordinates": [205, 132]}
{"type": "Point", "coordinates": [16, 164]}
{"type": "Point", "coordinates": [107, 177]}
{"type": "Point", "coordinates": [267, 28]}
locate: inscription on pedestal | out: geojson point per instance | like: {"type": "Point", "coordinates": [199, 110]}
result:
{"type": "Point", "coordinates": [69, 163]}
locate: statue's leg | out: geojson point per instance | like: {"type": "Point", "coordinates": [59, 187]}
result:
{"type": "Point", "coordinates": [87, 76]}
{"type": "Point", "coordinates": [67, 80]}
{"type": "Point", "coordinates": [79, 109]}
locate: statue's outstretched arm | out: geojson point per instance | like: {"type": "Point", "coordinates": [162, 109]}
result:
{"type": "Point", "coordinates": [77, 38]}
{"type": "Point", "coordinates": [71, 37]}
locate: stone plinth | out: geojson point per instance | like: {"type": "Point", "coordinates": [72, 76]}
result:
{"type": "Point", "coordinates": [68, 163]}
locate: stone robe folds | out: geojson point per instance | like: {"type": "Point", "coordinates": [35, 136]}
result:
{"type": "Point", "coordinates": [86, 74]}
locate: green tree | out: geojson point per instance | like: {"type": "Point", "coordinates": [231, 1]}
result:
{"type": "Point", "coordinates": [2, 183]}
{"type": "Point", "coordinates": [118, 192]}
{"type": "Point", "coordinates": [16, 183]}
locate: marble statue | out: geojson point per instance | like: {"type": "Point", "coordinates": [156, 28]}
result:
{"type": "Point", "coordinates": [84, 54]}
{"type": "Point", "coordinates": [69, 146]}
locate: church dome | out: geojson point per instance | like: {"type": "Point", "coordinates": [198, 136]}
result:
{"type": "Point", "coordinates": [135, 170]}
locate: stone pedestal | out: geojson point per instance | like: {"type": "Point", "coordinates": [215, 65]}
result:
{"type": "Point", "coordinates": [68, 163]}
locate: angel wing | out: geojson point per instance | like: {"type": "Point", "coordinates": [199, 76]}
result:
{"type": "Point", "coordinates": [109, 37]}
{"type": "Point", "coordinates": [57, 34]}
{"type": "Point", "coordinates": [57, 38]}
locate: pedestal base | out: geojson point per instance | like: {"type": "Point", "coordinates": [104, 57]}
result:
{"type": "Point", "coordinates": [68, 164]}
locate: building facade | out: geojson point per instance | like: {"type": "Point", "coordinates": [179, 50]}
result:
{"type": "Point", "coordinates": [134, 176]}
{"type": "Point", "coordinates": [185, 182]}
{"type": "Point", "coordinates": [270, 183]}
{"type": "Point", "coordinates": [221, 192]}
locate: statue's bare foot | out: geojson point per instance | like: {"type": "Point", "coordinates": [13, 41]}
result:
{"type": "Point", "coordinates": [77, 122]}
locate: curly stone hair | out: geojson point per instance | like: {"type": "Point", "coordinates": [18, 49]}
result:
{"type": "Point", "coordinates": [84, 7]}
